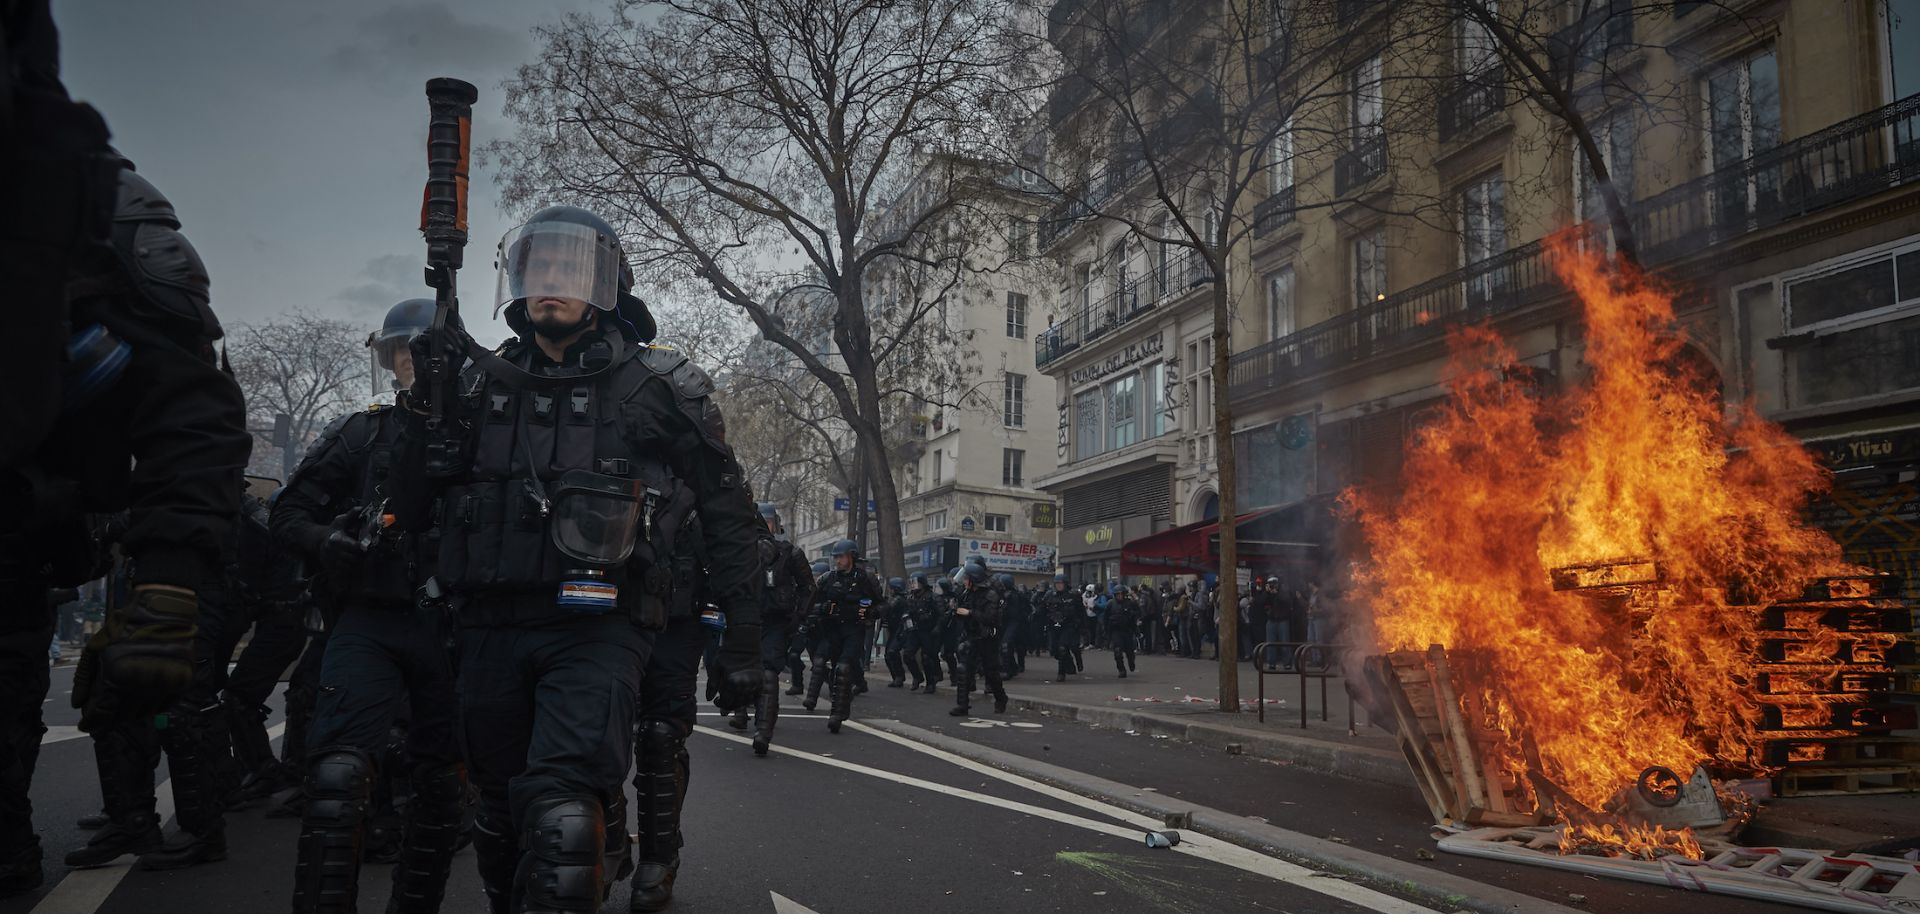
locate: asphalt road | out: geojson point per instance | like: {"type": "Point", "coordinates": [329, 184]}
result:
{"type": "Point", "coordinates": [857, 823]}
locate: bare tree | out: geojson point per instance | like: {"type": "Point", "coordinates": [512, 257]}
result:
{"type": "Point", "coordinates": [741, 141]}
{"type": "Point", "coordinates": [309, 369]}
{"type": "Point", "coordinates": [1185, 126]}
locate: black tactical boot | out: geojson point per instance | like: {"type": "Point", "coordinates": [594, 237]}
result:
{"type": "Point", "coordinates": [815, 681]}
{"type": "Point", "coordinates": [766, 711]}
{"type": "Point", "coordinates": [739, 719]}
{"type": "Point", "coordinates": [842, 697]}
{"type": "Point", "coordinates": [92, 821]}
{"type": "Point", "coordinates": [20, 870]}
{"type": "Point", "coordinates": [185, 850]}
{"type": "Point", "coordinates": [139, 833]}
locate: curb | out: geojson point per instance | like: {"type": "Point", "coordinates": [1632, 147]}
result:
{"type": "Point", "coordinates": [1432, 887]}
{"type": "Point", "coordinates": [1358, 762]}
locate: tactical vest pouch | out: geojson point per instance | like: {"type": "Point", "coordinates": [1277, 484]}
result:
{"type": "Point", "coordinates": [597, 519]}
{"type": "Point", "coordinates": [493, 537]}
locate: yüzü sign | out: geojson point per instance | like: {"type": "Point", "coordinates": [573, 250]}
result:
{"type": "Point", "coordinates": [1134, 352]}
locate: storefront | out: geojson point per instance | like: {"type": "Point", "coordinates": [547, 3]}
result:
{"type": "Point", "coordinates": [933, 557]}
{"type": "Point", "coordinates": [1285, 539]}
{"type": "Point", "coordinates": [1028, 562]}
{"type": "Point", "coordinates": [1090, 554]}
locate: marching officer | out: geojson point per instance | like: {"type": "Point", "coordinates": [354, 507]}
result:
{"type": "Point", "coordinates": [896, 623]}
{"type": "Point", "coordinates": [1063, 611]}
{"type": "Point", "coordinates": [563, 451]}
{"type": "Point", "coordinates": [976, 622]}
{"type": "Point", "coordinates": [784, 600]}
{"type": "Point", "coordinates": [382, 646]}
{"type": "Point", "coordinates": [846, 598]}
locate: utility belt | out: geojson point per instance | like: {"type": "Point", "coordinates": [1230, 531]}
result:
{"type": "Point", "coordinates": [497, 608]}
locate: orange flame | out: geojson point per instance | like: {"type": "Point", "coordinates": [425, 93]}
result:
{"type": "Point", "coordinates": [1635, 459]}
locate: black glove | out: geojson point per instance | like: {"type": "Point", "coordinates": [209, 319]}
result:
{"type": "Point", "coordinates": [421, 347]}
{"type": "Point", "coordinates": [739, 675]}
{"type": "Point", "coordinates": [140, 660]}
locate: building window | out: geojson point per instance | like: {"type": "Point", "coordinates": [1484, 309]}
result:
{"type": "Point", "coordinates": [1016, 315]}
{"type": "Point", "coordinates": [1013, 466]}
{"type": "Point", "coordinates": [1479, 54]}
{"type": "Point", "coordinates": [939, 466]}
{"type": "Point", "coordinates": [1159, 400]}
{"type": "Point", "coordinates": [1614, 136]}
{"type": "Point", "coordinates": [1019, 235]}
{"type": "Point", "coordinates": [1866, 315]}
{"type": "Point", "coordinates": [1123, 412]}
{"type": "Point", "coordinates": [1367, 99]}
{"type": "Point", "coordinates": [936, 521]}
{"type": "Point", "coordinates": [1014, 408]}
{"type": "Point", "coordinates": [1483, 234]}
{"type": "Point", "coordinates": [1280, 316]}
{"type": "Point", "coordinates": [1902, 20]}
{"type": "Point", "coordinates": [1280, 159]}
{"type": "Point", "coordinates": [1743, 120]}
{"type": "Point", "coordinates": [1086, 424]}
{"type": "Point", "coordinates": [1370, 267]}
{"type": "Point", "coordinates": [995, 523]}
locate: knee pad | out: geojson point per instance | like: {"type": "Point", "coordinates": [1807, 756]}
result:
{"type": "Point", "coordinates": [564, 840]}
{"type": "Point", "coordinates": [661, 741]}
{"type": "Point", "coordinates": [339, 785]}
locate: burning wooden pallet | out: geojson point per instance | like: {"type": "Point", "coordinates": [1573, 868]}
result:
{"type": "Point", "coordinates": [1831, 666]}
{"type": "Point", "coordinates": [1440, 733]}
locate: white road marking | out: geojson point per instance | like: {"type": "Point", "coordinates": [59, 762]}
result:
{"type": "Point", "coordinates": [60, 734]}
{"type": "Point", "coordinates": [783, 715]}
{"type": "Point", "coordinates": [84, 891]}
{"type": "Point", "coordinates": [784, 905]}
{"type": "Point", "coordinates": [1199, 846]}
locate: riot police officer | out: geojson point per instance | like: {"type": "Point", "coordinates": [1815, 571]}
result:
{"type": "Point", "coordinates": [667, 714]}
{"type": "Point", "coordinates": [802, 640]}
{"type": "Point", "coordinates": [1019, 610]}
{"type": "Point", "coordinates": [382, 646]}
{"type": "Point", "coordinates": [894, 621]}
{"type": "Point", "coordinates": [784, 599]}
{"type": "Point", "coordinates": [976, 623]}
{"type": "Point", "coordinates": [141, 420]}
{"type": "Point", "coordinates": [1063, 612]}
{"type": "Point", "coordinates": [846, 599]}
{"type": "Point", "coordinates": [921, 648]}
{"type": "Point", "coordinates": [561, 446]}
{"type": "Point", "coordinates": [1123, 626]}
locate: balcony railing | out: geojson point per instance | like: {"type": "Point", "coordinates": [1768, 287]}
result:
{"type": "Point", "coordinates": [1118, 307]}
{"type": "Point", "coordinates": [1852, 159]}
{"type": "Point", "coordinates": [1273, 213]}
{"type": "Point", "coordinates": [1347, 12]}
{"type": "Point", "coordinates": [1365, 162]}
{"type": "Point", "coordinates": [1474, 99]}
{"type": "Point", "coordinates": [1848, 161]}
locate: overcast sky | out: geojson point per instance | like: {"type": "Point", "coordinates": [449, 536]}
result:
{"type": "Point", "coordinates": [291, 135]}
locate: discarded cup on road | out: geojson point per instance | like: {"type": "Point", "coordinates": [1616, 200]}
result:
{"type": "Point", "coordinates": [1167, 838]}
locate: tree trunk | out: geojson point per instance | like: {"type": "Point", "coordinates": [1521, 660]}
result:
{"type": "Point", "coordinates": [1229, 593]}
{"type": "Point", "coordinates": [876, 472]}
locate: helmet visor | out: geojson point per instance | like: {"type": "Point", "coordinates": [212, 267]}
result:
{"type": "Point", "coordinates": [390, 362]}
{"type": "Point", "coordinates": [557, 260]}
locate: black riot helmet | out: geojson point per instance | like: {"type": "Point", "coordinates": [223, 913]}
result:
{"type": "Point", "coordinates": [820, 568]}
{"type": "Point", "coordinates": [568, 252]}
{"type": "Point", "coordinates": [972, 575]}
{"type": "Point", "coordinates": [1003, 580]}
{"type": "Point", "coordinates": [896, 585]}
{"type": "Point", "coordinates": [846, 548]}
{"type": "Point", "coordinates": [404, 321]}
{"type": "Point", "coordinates": [770, 515]}
{"type": "Point", "coordinates": [1060, 582]}
{"type": "Point", "coordinates": [920, 581]}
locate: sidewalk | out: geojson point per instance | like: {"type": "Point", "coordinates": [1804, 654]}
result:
{"type": "Point", "coordinates": [1179, 698]}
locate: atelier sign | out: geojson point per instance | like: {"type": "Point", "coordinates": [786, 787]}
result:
{"type": "Point", "coordinates": [1134, 352]}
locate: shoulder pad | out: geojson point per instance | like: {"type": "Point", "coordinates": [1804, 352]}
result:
{"type": "Point", "coordinates": [334, 428]}
{"type": "Point", "coordinates": [661, 359]}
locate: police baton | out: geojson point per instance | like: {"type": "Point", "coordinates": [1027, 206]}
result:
{"type": "Point", "coordinates": [443, 221]}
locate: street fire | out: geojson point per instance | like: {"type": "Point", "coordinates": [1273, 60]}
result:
{"type": "Point", "coordinates": [1603, 551]}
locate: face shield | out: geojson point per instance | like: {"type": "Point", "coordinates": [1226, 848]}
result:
{"type": "Point", "coordinates": [596, 519]}
{"type": "Point", "coordinates": [391, 362]}
{"type": "Point", "coordinates": [557, 260]}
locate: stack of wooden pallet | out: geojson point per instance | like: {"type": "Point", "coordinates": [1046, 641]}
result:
{"type": "Point", "coordinates": [1831, 671]}
{"type": "Point", "coordinates": [1440, 732]}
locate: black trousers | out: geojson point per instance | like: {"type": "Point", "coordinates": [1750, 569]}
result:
{"type": "Point", "coordinates": [376, 657]}
{"type": "Point", "coordinates": [1065, 644]}
{"type": "Point", "coordinates": [667, 686]}
{"type": "Point", "coordinates": [548, 708]}
{"type": "Point", "coordinates": [26, 627]}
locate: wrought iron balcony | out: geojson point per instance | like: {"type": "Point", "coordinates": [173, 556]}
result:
{"type": "Point", "coordinates": [1852, 160]}
{"type": "Point", "coordinates": [1365, 162]}
{"type": "Point", "coordinates": [1472, 101]}
{"type": "Point", "coordinates": [1116, 308]}
{"type": "Point", "coordinates": [1274, 212]}
{"type": "Point", "coordinates": [1602, 32]}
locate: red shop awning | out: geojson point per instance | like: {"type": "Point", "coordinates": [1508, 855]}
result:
{"type": "Point", "coordinates": [1191, 549]}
